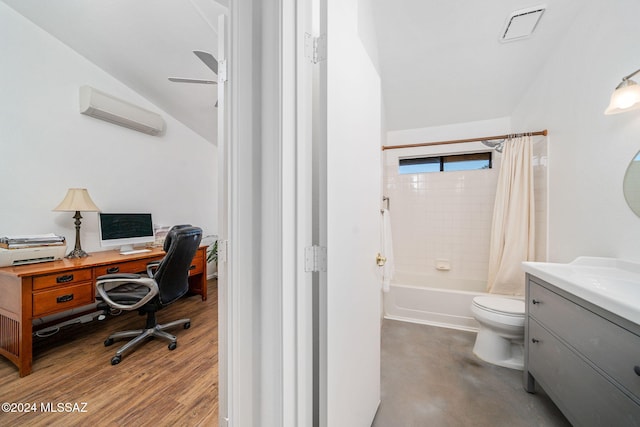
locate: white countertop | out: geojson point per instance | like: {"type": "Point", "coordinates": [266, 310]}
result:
{"type": "Point", "coordinates": [610, 283]}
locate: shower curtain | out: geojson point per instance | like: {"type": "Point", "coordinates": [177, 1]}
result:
{"type": "Point", "coordinates": [512, 230]}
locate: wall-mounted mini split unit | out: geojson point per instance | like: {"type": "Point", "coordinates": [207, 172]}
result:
{"type": "Point", "coordinates": [102, 106]}
{"type": "Point", "coordinates": [521, 23]}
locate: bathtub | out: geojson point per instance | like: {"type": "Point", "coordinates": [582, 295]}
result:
{"type": "Point", "coordinates": [434, 300]}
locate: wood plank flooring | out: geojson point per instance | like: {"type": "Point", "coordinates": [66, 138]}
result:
{"type": "Point", "coordinates": [152, 386]}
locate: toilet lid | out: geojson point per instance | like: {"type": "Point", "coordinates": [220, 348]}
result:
{"type": "Point", "coordinates": [501, 305]}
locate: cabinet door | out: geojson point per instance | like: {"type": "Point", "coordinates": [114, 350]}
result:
{"type": "Point", "coordinates": [585, 396]}
{"type": "Point", "coordinates": [590, 335]}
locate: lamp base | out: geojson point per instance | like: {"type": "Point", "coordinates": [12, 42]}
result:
{"type": "Point", "coordinates": [77, 253]}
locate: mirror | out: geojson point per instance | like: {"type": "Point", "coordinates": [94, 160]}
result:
{"type": "Point", "coordinates": [631, 185]}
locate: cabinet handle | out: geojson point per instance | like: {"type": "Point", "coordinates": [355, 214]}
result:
{"type": "Point", "coordinates": [112, 270]}
{"type": "Point", "coordinates": [535, 301]}
{"type": "Point", "coordinates": [636, 369]}
{"type": "Point", "coordinates": [535, 341]}
{"type": "Point", "coordinates": [64, 279]}
{"type": "Point", "coordinates": [193, 267]}
{"type": "Point", "coordinates": [64, 298]}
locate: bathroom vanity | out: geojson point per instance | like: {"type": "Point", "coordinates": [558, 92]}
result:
{"type": "Point", "coordinates": [582, 338]}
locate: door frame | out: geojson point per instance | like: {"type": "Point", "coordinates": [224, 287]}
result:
{"type": "Point", "coordinates": [275, 184]}
{"type": "Point", "coordinates": [266, 293]}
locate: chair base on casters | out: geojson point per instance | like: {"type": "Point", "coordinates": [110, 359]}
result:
{"type": "Point", "coordinates": [140, 335]}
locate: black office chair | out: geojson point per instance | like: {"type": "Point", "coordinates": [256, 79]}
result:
{"type": "Point", "coordinates": [166, 282]}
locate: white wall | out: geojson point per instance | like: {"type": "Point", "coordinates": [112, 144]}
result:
{"type": "Point", "coordinates": [588, 151]}
{"type": "Point", "coordinates": [367, 32]}
{"type": "Point", "coordinates": [47, 146]}
{"type": "Point", "coordinates": [497, 126]}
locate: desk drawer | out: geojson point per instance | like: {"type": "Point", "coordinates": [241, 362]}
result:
{"type": "Point", "coordinates": [196, 265]}
{"type": "Point", "coordinates": [607, 345]}
{"type": "Point", "coordinates": [135, 266]}
{"type": "Point", "coordinates": [61, 299]}
{"type": "Point", "coordinates": [64, 278]}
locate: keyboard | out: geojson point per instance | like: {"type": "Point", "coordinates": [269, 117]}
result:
{"type": "Point", "coordinates": [135, 251]}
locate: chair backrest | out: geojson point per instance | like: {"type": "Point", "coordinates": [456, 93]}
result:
{"type": "Point", "coordinates": [172, 275]}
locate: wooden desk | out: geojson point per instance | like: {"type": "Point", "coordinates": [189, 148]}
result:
{"type": "Point", "coordinates": [32, 291]}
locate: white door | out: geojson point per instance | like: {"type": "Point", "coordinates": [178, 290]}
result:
{"type": "Point", "coordinates": [350, 294]}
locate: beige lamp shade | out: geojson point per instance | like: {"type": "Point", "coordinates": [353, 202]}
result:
{"type": "Point", "coordinates": [77, 199]}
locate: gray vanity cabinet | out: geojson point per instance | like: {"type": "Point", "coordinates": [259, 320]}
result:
{"type": "Point", "coordinates": [585, 358]}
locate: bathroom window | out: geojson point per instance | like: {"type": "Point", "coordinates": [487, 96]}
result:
{"type": "Point", "coordinates": [454, 162]}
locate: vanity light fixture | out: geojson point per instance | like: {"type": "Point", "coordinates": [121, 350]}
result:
{"type": "Point", "coordinates": [626, 97]}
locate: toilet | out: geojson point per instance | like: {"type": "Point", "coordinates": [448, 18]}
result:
{"type": "Point", "coordinates": [501, 335]}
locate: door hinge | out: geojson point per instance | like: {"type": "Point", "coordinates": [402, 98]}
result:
{"type": "Point", "coordinates": [223, 249]}
{"type": "Point", "coordinates": [315, 48]}
{"type": "Point", "coordinates": [315, 259]}
{"type": "Point", "coordinates": [222, 71]}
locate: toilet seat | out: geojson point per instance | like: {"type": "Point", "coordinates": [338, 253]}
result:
{"type": "Point", "coordinates": [499, 311]}
{"type": "Point", "coordinates": [498, 305]}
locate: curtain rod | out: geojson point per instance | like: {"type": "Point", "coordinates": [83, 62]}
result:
{"type": "Point", "coordinates": [458, 141]}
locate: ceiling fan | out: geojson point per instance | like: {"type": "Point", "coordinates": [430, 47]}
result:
{"type": "Point", "coordinates": [209, 61]}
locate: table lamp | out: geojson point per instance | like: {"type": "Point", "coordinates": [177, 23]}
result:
{"type": "Point", "coordinates": [77, 199]}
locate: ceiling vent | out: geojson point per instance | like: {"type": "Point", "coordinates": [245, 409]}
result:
{"type": "Point", "coordinates": [521, 23]}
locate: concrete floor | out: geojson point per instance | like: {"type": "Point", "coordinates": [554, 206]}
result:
{"type": "Point", "coordinates": [430, 377]}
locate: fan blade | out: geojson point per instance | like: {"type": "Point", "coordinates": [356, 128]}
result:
{"type": "Point", "coordinates": [208, 60]}
{"type": "Point", "coordinates": [185, 80]}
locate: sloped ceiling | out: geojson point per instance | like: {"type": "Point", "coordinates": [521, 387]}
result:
{"type": "Point", "coordinates": [441, 62]}
{"type": "Point", "coordinates": [142, 43]}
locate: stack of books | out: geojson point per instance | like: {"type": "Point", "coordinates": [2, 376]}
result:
{"type": "Point", "coordinates": [30, 241]}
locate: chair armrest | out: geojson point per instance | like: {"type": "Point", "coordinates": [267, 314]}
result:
{"type": "Point", "coordinates": [151, 267]}
{"type": "Point", "coordinates": [110, 281]}
{"type": "Point", "coordinates": [127, 276]}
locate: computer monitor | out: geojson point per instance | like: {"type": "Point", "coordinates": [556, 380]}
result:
{"type": "Point", "coordinates": [125, 230]}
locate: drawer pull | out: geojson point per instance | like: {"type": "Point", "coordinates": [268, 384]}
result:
{"type": "Point", "coordinates": [193, 267]}
{"type": "Point", "coordinates": [636, 369]}
{"type": "Point", "coordinates": [535, 301]}
{"type": "Point", "coordinates": [64, 298]}
{"type": "Point", "coordinates": [64, 279]}
{"type": "Point", "coordinates": [113, 270]}
{"type": "Point", "coordinates": [534, 340]}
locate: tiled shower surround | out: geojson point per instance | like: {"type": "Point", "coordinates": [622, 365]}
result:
{"type": "Point", "coordinates": [445, 217]}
